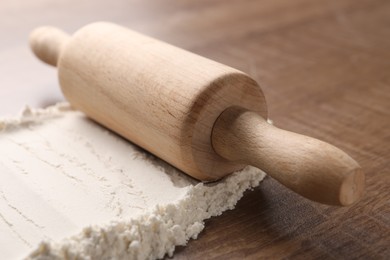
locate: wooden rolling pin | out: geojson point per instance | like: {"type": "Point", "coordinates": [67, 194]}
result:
{"type": "Point", "coordinates": [205, 118]}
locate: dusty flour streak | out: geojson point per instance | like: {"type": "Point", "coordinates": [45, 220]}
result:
{"type": "Point", "coordinates": [72, 189]}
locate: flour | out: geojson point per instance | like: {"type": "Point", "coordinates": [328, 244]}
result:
{"type": "Point", "coordinates": [70, 188]}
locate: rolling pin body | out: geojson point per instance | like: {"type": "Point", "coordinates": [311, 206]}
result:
{"type": "Point", "coordinates": [203, 117]}
{"type": "Point", "coordinates": [160, 97]}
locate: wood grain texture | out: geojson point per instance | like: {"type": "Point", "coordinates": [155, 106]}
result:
{"type": "Point", "coordinates": [324, 67]}
{"type": "Point", "coordinates": [310, 167]}
{"type": "Point", "coordinates": [203, 117]}
{"type": "Point", "coordinates": [158, 96]}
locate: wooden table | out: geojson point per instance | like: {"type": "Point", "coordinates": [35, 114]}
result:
{"type": "Point", "coordinates": [325, 69]}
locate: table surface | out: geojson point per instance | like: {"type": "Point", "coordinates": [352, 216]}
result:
{"type": "Point", "coordinates": [324, 67]}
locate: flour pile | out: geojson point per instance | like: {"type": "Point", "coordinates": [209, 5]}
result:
{"type": "Point", "coordinates": [70, 188]}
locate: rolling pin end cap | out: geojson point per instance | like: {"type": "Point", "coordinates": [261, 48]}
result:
{"type": "Point", "coordinates": [352, 188]}
{"type": "Point", "coordinates": [46, 42]}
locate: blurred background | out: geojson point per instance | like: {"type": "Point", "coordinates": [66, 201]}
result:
{"type": "Point", "coordinates": [324, 66]}
{"type": "Point", "coordinates": [273, 41]}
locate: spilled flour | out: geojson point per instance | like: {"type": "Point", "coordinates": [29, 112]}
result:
{"type": "Point", "coordinates": [70, 188]}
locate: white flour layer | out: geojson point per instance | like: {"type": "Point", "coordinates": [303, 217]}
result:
{"type": "Point", "coordinates": [70, 188]}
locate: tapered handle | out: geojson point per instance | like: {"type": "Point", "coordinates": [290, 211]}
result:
{"type": "Point", "coordinates": [47, 43]}
{"type": "Point", "coordinates": [310, 167]}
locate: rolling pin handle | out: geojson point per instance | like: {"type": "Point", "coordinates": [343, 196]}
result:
{"type": "Point", "coordinates": [310, 167]}
{"type": "Point", "coordinates": [47, 42]}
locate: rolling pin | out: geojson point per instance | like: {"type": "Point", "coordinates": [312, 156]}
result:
{"type": "Point", "coordinates": [203, 117]}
